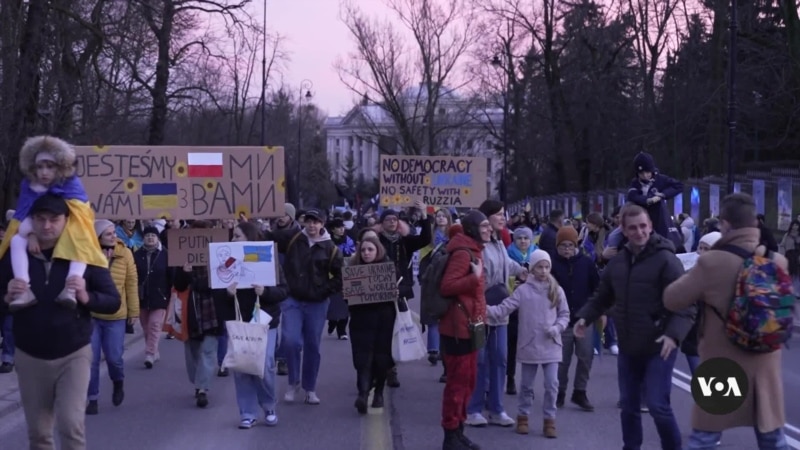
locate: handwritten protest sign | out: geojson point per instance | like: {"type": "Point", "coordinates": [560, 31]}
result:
{"type": "Point", "coordinates": [436, 180]}
{"type": "Point", "coordinates": [688, 260]}
{"type": "Point", "coordinates": [191, 245]}
{"type": "Point", "coordinates": [369, 283]}
{"type": "Point", "coordinates": [142, 182]}
{"type": "Point", "coordinates": [246, 263]}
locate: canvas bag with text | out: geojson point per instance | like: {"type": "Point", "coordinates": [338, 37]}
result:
{"type": "Point", "coordinates": [407, 343]}
{"type": "Point", "coordinates": [247, 342]}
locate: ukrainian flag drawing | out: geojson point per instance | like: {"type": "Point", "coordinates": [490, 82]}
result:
{"type": "Point", "coordinates": [159, 196]}
{"type": "Point", "coordinates": [253, 253]}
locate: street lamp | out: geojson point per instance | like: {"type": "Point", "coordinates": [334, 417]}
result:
{"type": "Point", "coordinates": [732, 94]}
{"type": "Point", "coordinates": [306, 86]}
{"type": "Point", "coordinates": [499, 62]}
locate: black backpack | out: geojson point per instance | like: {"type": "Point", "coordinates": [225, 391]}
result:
{"type": "Point", "coordinates": [433, 305]}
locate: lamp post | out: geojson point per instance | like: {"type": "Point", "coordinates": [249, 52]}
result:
{"type": "Point", "coordinates": [499, 62]}
{"type": "Point", "coordinates": [264, 81]}
{"type": "Point", "coordinates": [306, 86]}
{"type": "Point", "coordinates": [732, 94]}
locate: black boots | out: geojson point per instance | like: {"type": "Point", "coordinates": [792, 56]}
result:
{"type": "Point", "coordinates": [579, 398]}
{"type": "Point", "coordinates": [363, 383]}
{"type": "Point", "coordinates": [118, 395]}
{"type": "Point", "coordinates": [455, 440]}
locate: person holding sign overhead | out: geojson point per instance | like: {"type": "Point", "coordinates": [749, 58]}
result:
{"type": "Point", "coordinates": [371, 329]}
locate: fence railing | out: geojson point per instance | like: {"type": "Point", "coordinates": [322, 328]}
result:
{"type": "Point", "coordinates": [776, 192]}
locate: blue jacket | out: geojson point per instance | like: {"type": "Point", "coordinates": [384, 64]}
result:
{"type": "Point", "coordinates": [48, 330]}
{"type": "Point", "coordinates": [578, 277]}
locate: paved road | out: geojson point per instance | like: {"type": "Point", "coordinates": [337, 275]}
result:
{"type": "Point", "coordinates": [159, 413]}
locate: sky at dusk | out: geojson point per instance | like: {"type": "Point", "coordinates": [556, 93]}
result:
{"type": "Point", "coordinates": [314, 37]}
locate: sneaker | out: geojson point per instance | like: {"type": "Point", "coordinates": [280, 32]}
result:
{"type": "Point", "coordinates": [501, 420]}
{"type": "Point", "coordinates": [476, 420]}
{"type": "Point", "coordinates": [271, 418]}
{"type": "Point", "coordinates": [614, 349]}
{"type": "Point", "coordinates": [289, 396]}
{"type": "Point", "coordinates": [223, 372]}
{"type": "Point", "coordinates": [202, 399]}
{"type": "Point", "coordinates": [22, 301]}
{"type": "Point", "coordinates": [246, 424]}
{"type": "Point", "coordinates": [645, 409]}
{"type": "Point", "coordinates": [311, 398]}
{"type": "Point", "coordinates": [170, 337]}
{"type": "Point", "coordinates": [148, 361]}
{"type": "Point", "coordinates": [6, 367]}
{"type": "Point", "coordinates": [596, 352]}
{"type": "Point", "coordinates": [343, 337]}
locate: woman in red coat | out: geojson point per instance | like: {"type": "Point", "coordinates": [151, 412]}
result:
{"type": "Point", "coordinates": [463, 279]}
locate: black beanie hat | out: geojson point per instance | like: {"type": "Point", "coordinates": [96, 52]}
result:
{"type": "Point", "coordinates": [490, 207]}
{"type": "Point", "coordinates": [644, 162]}
{"type": "Point", "coordinates": [472, 224]}
{"type": "Point", "coordinates": [389, 212]}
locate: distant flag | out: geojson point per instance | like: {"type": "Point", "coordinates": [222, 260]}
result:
{"type": "Point", "coordinates": [159, 196]}
{"type": "Point", "coordinates": [205, 165]}
{"type": "Point", "coordinates": [257, 253]}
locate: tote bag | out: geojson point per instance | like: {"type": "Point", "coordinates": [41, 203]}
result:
{"type": "Point", "coordinates": [407, 344]}
{"type": "Point", "coordinates": [247, 343]}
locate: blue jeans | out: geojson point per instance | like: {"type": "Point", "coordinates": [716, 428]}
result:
{"type": "Point", "coordinates": [707, 440]}
{"type": "Point", "coordinates": [693, 362]}
{"type": "Point", "coordinates": [7, 355]}
{"type": "Point", "coordinates": [491, 372]}
{"type": "Point", "coordinates": [301, 327]}
{"type": "Point", "coordinates": [254, 393]}
{"type": "Point", "coordinates": [108, 336]}
{"type": "Point", "coordinates": [433, 338]}
{"type": "Point", "coordinates": [222, 347]}
{"type": "Point", "coordinates": [610, 333]}
{"type": "Point", "coordinates": [656, 374]}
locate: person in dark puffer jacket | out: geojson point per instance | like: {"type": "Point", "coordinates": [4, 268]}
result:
{"type": "Point", "coordinates": [632, 287]}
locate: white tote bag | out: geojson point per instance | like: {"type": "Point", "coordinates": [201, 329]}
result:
{"type": "Point", "coordinates": [407, 344]}
{"type": "Point", "coordinates": [247, 343]}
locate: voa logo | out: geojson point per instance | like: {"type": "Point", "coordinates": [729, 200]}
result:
{"type": "Point", "coordinates": [720, 386]}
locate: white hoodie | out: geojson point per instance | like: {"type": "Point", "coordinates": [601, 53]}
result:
{"type": "Point", "coordinates": [687, 228]}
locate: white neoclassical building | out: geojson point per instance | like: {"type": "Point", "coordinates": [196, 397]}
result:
{"type": "Point", "coordinates": [367, 130]}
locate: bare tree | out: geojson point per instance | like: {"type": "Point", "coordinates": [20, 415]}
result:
{"type": "Point", "coordinates": [413, 100]}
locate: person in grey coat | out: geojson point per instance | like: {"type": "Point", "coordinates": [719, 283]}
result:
{"type": "Point", "coordinates": [631, 289]}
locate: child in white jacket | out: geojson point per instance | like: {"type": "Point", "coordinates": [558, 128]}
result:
{"type": "Point", "coordinates": [543, 315]}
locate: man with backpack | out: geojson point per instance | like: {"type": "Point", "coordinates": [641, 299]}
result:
{"type": "Point", "coordinates": [746, 308]}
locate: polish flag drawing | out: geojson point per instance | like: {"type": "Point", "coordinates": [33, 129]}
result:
{"type": "Point", "coordinates": [205, 165]}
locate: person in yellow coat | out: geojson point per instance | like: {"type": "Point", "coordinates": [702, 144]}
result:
{"type": "Point", "coordinates": [48, 164]}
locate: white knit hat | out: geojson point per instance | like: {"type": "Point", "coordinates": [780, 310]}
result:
{"type": "Point", "coordinates": [538, 255]}
{"type": "Point", "coordinates": [711, 238]}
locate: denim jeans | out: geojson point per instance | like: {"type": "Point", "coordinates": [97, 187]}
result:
{"type": "Point", "coordinates": [550, 375]}
{"type": "Point", "coordinates": [693, 362]}
{"type": "Point", "coordinates": [108, 336]}
{"type": "Point", "coordinates": [200, 357]}
{"type": "Point", "coordinates": [222, 347]}
{"type": "Point", "coordinates": [610, 334]}
{"type": "Point", "coordinates": [433, 338]}
{"type": "Point", "coordinates": [707, 440]}
{"type": "Point", "coordinates": [301, 326]}
{"type": "Point", "coordinates": [656, 374]}
{"type": "Point", "coordinates": [7, 355]}
{"type": "Point", "coordinates": [491, 372]}
{"type": "Point", "coordinates": [256, 395]}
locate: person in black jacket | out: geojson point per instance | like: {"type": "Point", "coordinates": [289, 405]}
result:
{"type": "Point", "coordinates": [155, 286]}
{"type": "Point", "coordinates": [547, 241]}
{"type": "Point", "coordinates": [313, 268]}
{"type": "Point", "coordinates": [651, 190]}
{"type": "Point", "coordinates": [400, 244]}
{"type": "Point", "coordinates": [633, 284]}
{"type": "Point", "coordinates": [255, 395]}
{"type": "Point", "coordinates": [54, 354]}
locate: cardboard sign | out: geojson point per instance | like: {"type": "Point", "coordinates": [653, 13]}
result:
{"type": "Point", "coordinates": [246, 263]}
{"type": "Point", "coordinates": [190, 245]}
{"type": "Point", "coordinates": [436, 180]}
{"type": "Point", "coordinates": [142, 182]}
{"type": "Point", "coordinates": [369, 283]}
{"type": "Point", "coordinates": [688, 260]}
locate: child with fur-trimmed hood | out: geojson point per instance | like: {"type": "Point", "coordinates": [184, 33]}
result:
{"type": "Point", "coordinates": [650, 190]}
{"type": "Point", "coordinates": [48, 164]}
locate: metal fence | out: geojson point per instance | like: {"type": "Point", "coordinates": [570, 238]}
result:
{"type": "Point", "coordinates": [777, 195]}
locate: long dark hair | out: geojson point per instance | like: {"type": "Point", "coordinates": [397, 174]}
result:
{"type": "Point", "coordinates": [250, 231]}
